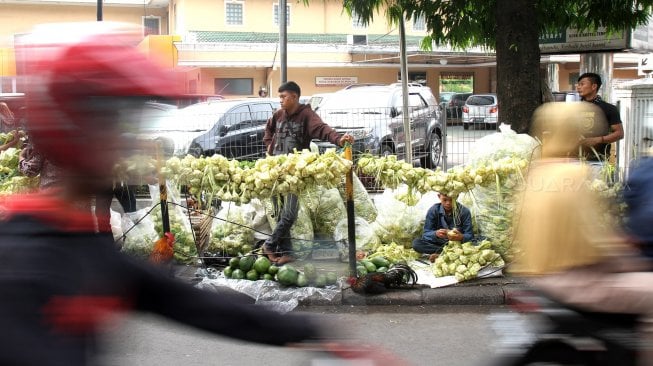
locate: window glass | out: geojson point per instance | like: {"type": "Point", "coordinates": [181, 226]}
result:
{"type": "Point", "coordinates": [357, 22]}
{"type": "Point", "coordinates": [234, 86]}
{"type": "Point", "coordinates": [276, 14]}
{"type": "Point", "coordinates": [151, 25]}
{"type": "Point", "coordinates": [234, 13]}
{"type": "Point", "coordinates": [261, 112]}
{"type": "Point", "coordinates": [238, 118]}
{"type": "Point", "coordinates": [419, 24]}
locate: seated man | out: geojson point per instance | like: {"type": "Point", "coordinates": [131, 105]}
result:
{"type": "Point", "coordinates": [440, 219]}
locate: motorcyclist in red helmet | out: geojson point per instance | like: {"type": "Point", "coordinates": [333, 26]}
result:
{"type": "Point", "coordinates": [60, 281]}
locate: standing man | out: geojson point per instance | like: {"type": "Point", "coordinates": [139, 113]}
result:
{"type": "Point", "coordinates": [442, 218]}
{"type": "Point", "coordinates": [292, 127]}
{"type": "Point", "coordinates": [597, 143]}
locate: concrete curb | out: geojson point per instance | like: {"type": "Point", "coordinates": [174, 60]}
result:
{"type": "Point", "coordinates": [488, 291]}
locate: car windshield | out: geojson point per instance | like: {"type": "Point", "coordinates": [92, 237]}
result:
{"type": "Point", "coordinates": [197, 117]}
{"type": "Point", "coordinates": [445, 97]}
{"type": "Point", "coordinates": [156, 116]}
{"type": "Point", "coordinates": [356, 100]}
{"type": "Point", "coordinates": [481, 100]}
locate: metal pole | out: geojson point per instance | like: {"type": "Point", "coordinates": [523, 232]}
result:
{"type": "Point", "coordinates": [351, 219]}
{"type": "Point", "coordinates": [283, 41]}
{"type": "Point", "coordinates": [99, 10]}
{"type": "Point", "coordinates": [404, 91]}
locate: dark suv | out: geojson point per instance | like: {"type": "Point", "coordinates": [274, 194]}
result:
{"type": "Point", "coordinates": [373, 115]}
{"type": "Point", "coordinates": [454, 104]}
{"type": "Point", "coordinates": [233, 128]}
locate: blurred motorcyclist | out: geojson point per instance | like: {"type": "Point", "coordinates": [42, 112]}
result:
{"type": "Point", "coordinates": [61, 282]}
{"type": "Point", "coordinates": [565, 247]}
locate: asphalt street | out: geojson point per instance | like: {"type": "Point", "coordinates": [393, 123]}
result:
{"type": "Point", "coordinates": [421, 335]}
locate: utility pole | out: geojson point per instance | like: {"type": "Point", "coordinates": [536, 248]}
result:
{"type": "Point", "coordinates": [283, 41]}
{"type": "Point", "coordinates": [99, 10]}
{"type": "Point", "coordinates": [404, 91]}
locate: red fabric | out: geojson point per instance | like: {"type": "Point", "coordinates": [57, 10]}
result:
{"type": "Point", "coordinates": [49, 209]}
{"type": "Point", "coordinates": [82, 314]}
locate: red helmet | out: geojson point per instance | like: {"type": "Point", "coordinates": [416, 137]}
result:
{"type": "Point", "coordinates": [80, 78]}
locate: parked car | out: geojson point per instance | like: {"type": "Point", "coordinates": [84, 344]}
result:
{"type": "Point", "coordinates": [373, 115]}
{"type": "Point", "coordinates": [317, 99]}
{"type": "Point", "coordinates": [230, 127]}
{"type": "Point", "coordinates": [481, 109]}
{"type": "Point", "coordinates": [454, 104]}
{"type": "Point", "coordinates": [565, 96]}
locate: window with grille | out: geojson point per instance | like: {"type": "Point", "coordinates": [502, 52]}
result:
{"type": "Point", "coordinates": [356, 20]}
{"type": "Point", "coordinates": [275, 10]}
{"type": "Point", "coordinates": [419, 24]}
{"type": "Point", "coordinates": [151, 25]}
{"type": "Point", "coordinates": [234, 13]}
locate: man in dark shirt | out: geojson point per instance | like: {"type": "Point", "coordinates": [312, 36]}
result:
{"type": "Point", "coordinates": [597, 143]}
{"type": "Point", "coordinates": [442, 218]}
{"type": "Point", "coordinates": [292, 127]}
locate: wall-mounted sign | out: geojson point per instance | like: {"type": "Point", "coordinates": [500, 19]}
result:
{"type": "Point", "coordinates": [335, 80]}
{"type": "Point", "coordinates": [571, 40]}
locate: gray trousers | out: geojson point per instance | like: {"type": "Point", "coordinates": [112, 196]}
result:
{"type": "Point", "coordinates": [429, 247]}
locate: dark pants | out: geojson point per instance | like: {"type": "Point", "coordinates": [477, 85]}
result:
{"type": "Point", "coordinates": [126, 197]}
{"type": "Point", "coordinates": [286, 209]}
{"type": "Point", "coordinates": [428, 247]}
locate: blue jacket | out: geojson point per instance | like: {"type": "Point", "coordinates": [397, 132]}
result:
{"type": "Point", "coordinates": [435, 221]}
{"type": "Point", "coordinates": [638, 195]}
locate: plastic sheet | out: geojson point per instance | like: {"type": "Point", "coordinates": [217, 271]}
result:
{"type": "Point", "coordinates": [270, 293]}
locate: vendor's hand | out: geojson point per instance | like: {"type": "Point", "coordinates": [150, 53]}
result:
{"type": "Point", "coordinates": [455, 235]}
{"type": "Point", "coordinates": [346, 138]}
{"type": "Point", "coordinates": [590, 141]}
{"type": "Point", "coordinates": [441, 233]}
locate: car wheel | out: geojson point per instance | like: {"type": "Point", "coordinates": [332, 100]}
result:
{"type": "Point", "coordinates": [434, 152]}
{"type": "Point", "coordinates": [466, 126]}
{"type": "Point", "coordinates": [386, 149]}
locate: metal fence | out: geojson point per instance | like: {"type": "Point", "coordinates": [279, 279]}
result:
{"type": "Point", "coordinates": [236, 130]}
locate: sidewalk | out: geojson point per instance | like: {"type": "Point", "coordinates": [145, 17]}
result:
{"type": "Point", "coordinates": [486, 291]}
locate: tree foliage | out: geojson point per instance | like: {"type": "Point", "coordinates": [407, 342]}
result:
{"type": "Point", "coordinates": [465, 23]}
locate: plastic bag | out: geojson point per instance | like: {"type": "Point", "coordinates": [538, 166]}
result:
{"type": "Point", "coordinates": [139, 236]}
{"type": "Point", "coordinates": [396, 221]}
{"type": "Point", "coordinates": [363, 203]}
{"type": "Point", "coordinates": [326, 209]}
{"type": "Point", "coordinates": [180, 226]}
{"type": "Point", "coordinates": [301, 232]}
{"type": "Point", "coordinates": [492, 207]}
{"type": "Point", "coordinates": [231, 233]}
{"type": "Point", "coordinates": [366, 238]}
{"type": "Point", "coordinates": [116, 225]}
{"type": "Point", "coordinates": [260, 224]}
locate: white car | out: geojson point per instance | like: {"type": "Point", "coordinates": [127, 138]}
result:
{"type": "Point", "coordinates": [481, 109]}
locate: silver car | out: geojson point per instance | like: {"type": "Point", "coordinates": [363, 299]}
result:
{"type": "Point", "coordinates": [481, 109]}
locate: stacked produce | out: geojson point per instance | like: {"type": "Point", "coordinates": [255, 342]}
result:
{"type": "Point", "coordinates": [228, 180]}
{"type": "Point", "coordinates": [394, 253]}
{"type": "Point", "coordinates": [255, 268]}
{"type": "Point", "coordinates": [464, 260]}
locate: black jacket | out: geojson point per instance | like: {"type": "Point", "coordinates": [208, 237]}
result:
{"type": "Point", "coordinates": [59, 280]}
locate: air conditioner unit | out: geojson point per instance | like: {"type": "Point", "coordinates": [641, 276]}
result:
{"type": "Point", "coordinates": [357, 39]}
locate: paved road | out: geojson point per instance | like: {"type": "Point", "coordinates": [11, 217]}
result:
{"type": "Point", "coordinates": [449, 336]}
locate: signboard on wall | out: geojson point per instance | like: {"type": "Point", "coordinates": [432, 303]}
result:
{"type": "Point", "coordinates": [335, 80]}
{"type": "Point", "coordinates": [572, 40]}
